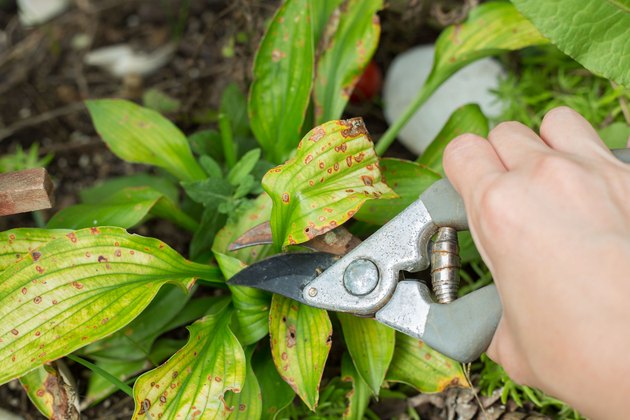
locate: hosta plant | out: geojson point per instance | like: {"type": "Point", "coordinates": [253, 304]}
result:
{"type": "Point", "coordinates": [284, 162]}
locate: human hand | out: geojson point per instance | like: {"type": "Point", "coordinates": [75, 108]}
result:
{"type": "Point", "coordinates": [550, 215]}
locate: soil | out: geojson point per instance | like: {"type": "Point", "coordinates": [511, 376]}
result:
{"type": "Point", "coordinates": [43, 81]}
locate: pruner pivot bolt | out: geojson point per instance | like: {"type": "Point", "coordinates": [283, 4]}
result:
{"type": "Point", "coordinates": [445, 265]}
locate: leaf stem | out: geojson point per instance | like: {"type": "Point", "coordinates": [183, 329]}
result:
{"type": "Point", "coordinates": [227, 140]}
{"type": "Point", "coordinates": [100, 371]}
{"type": "Point", "coordinates": [390, 135]}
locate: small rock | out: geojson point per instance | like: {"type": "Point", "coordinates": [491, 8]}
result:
{"type": "Point", "coordinates": [406, 76]}
{"type": "Point", "coordinates": [34, 12]}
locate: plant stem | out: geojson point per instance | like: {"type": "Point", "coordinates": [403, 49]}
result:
{"type": "Point", "coordinates": [390, 135]}
{"type": "Point", "coordinates": [227, 140]}
{"type": "Point", "coordinates": [111, 378]}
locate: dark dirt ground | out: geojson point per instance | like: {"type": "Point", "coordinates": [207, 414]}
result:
{"type": "Point", "coordinates": [43, 81]}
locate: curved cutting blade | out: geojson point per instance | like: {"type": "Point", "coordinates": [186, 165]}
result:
{"type": "Point", "coordinates": [285, 274]}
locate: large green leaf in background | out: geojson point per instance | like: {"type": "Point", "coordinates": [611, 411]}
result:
{"type": "Point", "coordinates": [251, 305]}
{"type": "Point", "coordinates": [425, 369]}
{"type": "Point", "coordinates": [301, 337]}
{"type": "Point", "coordinates": [283, 76]}
{"type": "Point", "coordinates": [125, 208]}
{"type": "Point", "coordinates": [371, 345]}
{"type": "Point", "coordinates": [141, 135]}
{"type": "Point", "coordinates": [594, 33]}
{"type": "Point", "coordinates": [491, 28]}
{"type": "Point", "coordinates": [334, 171]}
{"type": "Point", "coordinates": [345, 53]}
{"type": "Point", "coordinates": [79, 288]}
{"type": "Point", "coordinates": [193, 382]}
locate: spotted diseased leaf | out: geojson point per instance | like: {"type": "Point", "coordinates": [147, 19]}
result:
{"type": "Point", "coordinates": [248, 403]}
{"type": "Point", "coordinates": [345, 55]}
{"type": "Point", "coordinates": [594, 33]}
{"type": "Point", "coordinates": [79, 288]}
{"type": "Point", "coordinates": [141, 135]}
{"type": "Point", "coordinates": [359, 396]}
{"type": "Point", "coordinates": [16, 243]}
{"type": "Point", "coordinates": [49, 390]}
{"type": "Point", "coordinates": [371, 346]}
{"type": "Point", "coordinates": [301, 337]}
{"type": "Point", "coordinates": [193, 382]}
{"type": "Point", "coordinates": [251, 305]}
{"type": "Point", "coordinates": [283, 77]}
{"type": "Point", "coordinates": [423, 368]}
{"type": "Point", "coordinates": [334, 171]}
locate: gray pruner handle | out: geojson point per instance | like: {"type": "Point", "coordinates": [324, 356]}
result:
{"type": "Point", "coordinates": [463, 329]}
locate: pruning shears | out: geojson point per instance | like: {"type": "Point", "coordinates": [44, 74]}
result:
{"type": "Point", "coordinates": [368, 281]}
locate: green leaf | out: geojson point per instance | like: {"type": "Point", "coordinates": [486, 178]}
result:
{"type": "Point", "coordinates": [201, 244]}
{"type": "Point", "coordinates": [252, 305]}
{"type": "Point", "coordinates": [616, 135]}
{"type": "Point", "coordinates": [276, 394]}
{"type": "Point", "coordinates": [100, 387]}
{"type": "Point", "coordinates": [141, 135]}
{"type": "Point", "coordinates": [248, 403]}
{"type": "Point", "coordinates": [300, 341]}
{"type": "Point", "coordinates": [79, 288]}
{"type": "Point", "coordinates": [195, 379]}
{"type": "Point", "coordinates": [283, 76]}
{"type": "Point", "coordinates": [125, 209]}
{"type": "Point", "coordinates": [594, 33]}
{"type": "Point", "coordinates": [207, 142]}
{"type": "Point", "coordinates": [334, 171]}
{"type": "Point", "coordinates": [159, 101]}
{"type": "Point", "coordinates": [465, 119]}
{"type": "Point", "coordinates": [243, 167]}
{"type": "Point", "coordinates": [102, 192]}
{"type": "Point", "coordinates": [371, 346]}
{"type": "Point", "coordinates": [234, 104]}
{"type": "Point", "coordinates": [345, 57]}
{"type": "Point", "coordinates": [49, 392]}
{"type": "Point", "coordinates": [491, 28]}
{"type": "Point", "coordinates": [407, 179]}
{"type": "Point", "coordinates": [359, 397]}
{"type": "Point", "coordinates": [210, 192]}
{"type": "Point", "coordinates": [15, 244]}
{"type": "Point", "coordinates": [211, 166]}
{"type": "Point", "coordinates": [423, 368]}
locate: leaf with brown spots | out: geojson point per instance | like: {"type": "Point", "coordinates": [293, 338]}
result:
{"type": "Point", "coordinates": [371, 346]}
{"type": "Point", "coordinates": [193, 382]}
{"type": "Point", "coordinates": [68, 299]}
{"type": "Point", "coordinates": [16, 244]}
{"type": "Point", "coordinates": [359, 396]}
{"type": "Point", "coordinates": [423, 368]}
{"type": "Point", "coordinates": [283, 76]}
{"type": "Point", "coordinates": [300, 341]}
{"type": "Point", "coordinates": [51, 393]}
{"type": "Point", "coordinates": [343, 59]}
{"type": "Point", "coordinates": [334, 171]}
{"type": "Point", "coordinates": [248, 403]}
{"type": "Point", "coordinates": [252, 305]}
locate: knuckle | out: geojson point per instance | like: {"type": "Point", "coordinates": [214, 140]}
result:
{"type": "Point", "coordinates": [504, 128]}
{"type": "Point", "coordinates": [554, 117]}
